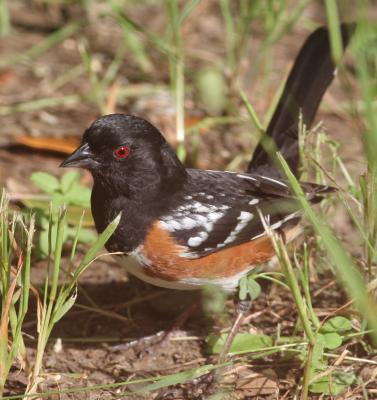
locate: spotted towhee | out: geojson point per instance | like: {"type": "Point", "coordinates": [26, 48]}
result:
{"type": "Point", "coordinates": [183, 228]}
{"type": "Point", "coordinates": [180, 228]}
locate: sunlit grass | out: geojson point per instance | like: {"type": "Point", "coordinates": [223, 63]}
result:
{"type": "Point", "coordinates": [5, 24]}
{"type": "Point", "coordinates": [53, 300]}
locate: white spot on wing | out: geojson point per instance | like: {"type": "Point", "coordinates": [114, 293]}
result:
{"type": "Point", "coordinates": [243, 219]}
{"type": "Point", "coordinates": [189, 223]}
{"type": "Point", "coordinates": [215, 216]}
{"type": "Point", "coordinates": [193, 215]}
{"type": "Point", "coordinates": [171, 225]}
{"type": "Point", "coordinates": [275, 181]}
{"type": "Point", "coordinates": [185, 207]}
{"type": "Point", "coordinates": [277, 224]}
{"type": "Point", "coordinates": [203, 235]}
{"type": "Point", "coordinates": [194, 241]}
{"type": "Point", "coordinates": [203, 208]}
{"type": "Point", "coordinates": [197, 240]}
{"type": "Point", "coordinates": [253, 202]}
{"type": "Point", "coordinates": [247, 177]}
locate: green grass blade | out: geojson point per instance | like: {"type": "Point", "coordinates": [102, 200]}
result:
{"type": "Point", "coordinates": [334, 29]}
{"type": "Point", "coordinates": [5, 24]}
{"type": "Point", "coordinates": [196, 372]}
{"type": "Point", "coordinates": [252, 113]}
{"type": "Point", "coordinates": [347, 271]}
{"type": "Point", "coordinates": [180, 377]}
{"type": "Point", "coordinates": [102, 239]}
{"type": "Point", "coordinates": [40, 48]}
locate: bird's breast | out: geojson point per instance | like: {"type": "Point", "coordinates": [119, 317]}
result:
{"type": "Point", "coordinates": [162, 262]}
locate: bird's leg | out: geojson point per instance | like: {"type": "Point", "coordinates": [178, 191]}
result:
{"type": "Point", "coordinates": [185, 315]}
{"type": "Point", "coordinates": [243, 307]}
{"type": "Point", "coordinates": [210, 380]}
{"type": "Point", "coordinates": [207, 384]}
{"type": "Point", "coordinates": [160, 337]}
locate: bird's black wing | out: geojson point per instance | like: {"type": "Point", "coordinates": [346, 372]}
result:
{"type": "Point", "coordinates": [223, 209]}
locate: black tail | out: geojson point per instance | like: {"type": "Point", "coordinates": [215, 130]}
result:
{"type": "Point", "coordinates": [312, 73]}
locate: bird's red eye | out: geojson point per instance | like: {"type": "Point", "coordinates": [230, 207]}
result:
{"type": "Point", "coordinates": [122, 152]}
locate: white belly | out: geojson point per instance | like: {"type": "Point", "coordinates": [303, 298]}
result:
{"type": "Point", "coordinates": [136, 264]}
{"type": "Point", "coordinates": [133, 265]}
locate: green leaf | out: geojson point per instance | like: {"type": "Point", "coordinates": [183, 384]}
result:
{"type": "Point", "coordinates": [43, 240]}
{"type": "Point", "coordinates": [74, 214]}
{"type": "Point", "coordinates": [57, 201]}
{"type": "Point", "coordinates": [242, 342]}
{"type": "Point", "coordinates": [213, 300]}
{"type": "Point", "coordinates": [36, 204]}
{"type": "Point", "coordinates": [242, 292]}
{"type": "Point", "coordinates": [211, 88]}
{"type": "Point", "coordinates": [330, 340]}
{"type": "Point", "coordinates": [62, 310]}
{"type": "Point", "coordinates": [67, 181]}
{"type": "Point", "coordinates": [333, 384]}
{"type": "Point", "coordinates": [48, 183]}
{"type": "Point", "coordinates": [223, 395]}
{"type": "Point", "coordinates": [87, 236]}
{"type": "Point", "coordinates": [318, 363]}
{"type": "Point", "coordinates": [253, 288]}
{"type": "Point", "coordinates": [100, 242]}
{"type": "Point", "coordinates": [180, 377]}
{"type": "Point", "coordinates": [44, 222]}
{"type": "Point", "coordinates": [78, 195]}
{"type": "Point", "coordinates": [336, 324]}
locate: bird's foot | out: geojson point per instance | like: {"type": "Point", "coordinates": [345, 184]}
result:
{"type": "Point", "coordinates": [148, 343]}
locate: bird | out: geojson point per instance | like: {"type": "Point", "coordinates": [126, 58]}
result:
{"type": "Point", "coordinates": [183, 228]}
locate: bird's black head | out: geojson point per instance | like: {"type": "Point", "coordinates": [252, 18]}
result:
{"type": "Point", "coordinates": [126, 152]}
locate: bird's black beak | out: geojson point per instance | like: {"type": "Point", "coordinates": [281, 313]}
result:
{"type": "Point", "coordinates": [82, 157]}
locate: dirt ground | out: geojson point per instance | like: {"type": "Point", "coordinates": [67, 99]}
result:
{"type": "Point", "coordinates": [89, 347]}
